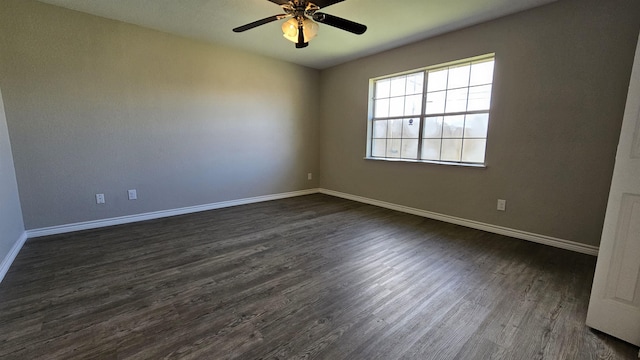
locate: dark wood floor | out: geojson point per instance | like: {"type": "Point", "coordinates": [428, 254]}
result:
{"type": "Point", "coordinates": [308, 277]}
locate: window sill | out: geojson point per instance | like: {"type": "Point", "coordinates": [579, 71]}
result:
{"type": "Point", "coordinates": [481, 166]}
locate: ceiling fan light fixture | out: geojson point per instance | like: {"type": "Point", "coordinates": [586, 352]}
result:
{"type": "Point", "coordinates": [309, 29]}
{"type": "Point", "coordinates": [290, 29]}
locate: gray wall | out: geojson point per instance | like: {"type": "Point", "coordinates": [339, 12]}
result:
{"type": "Point", "coordinates": [11, 225]}
{"type": "Point", "coordinates": [99, 106]}
{"type": "Point", "coordinates": [561, 79]}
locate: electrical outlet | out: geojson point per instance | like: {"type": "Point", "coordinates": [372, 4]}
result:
{"type": "Point", "coordinates": [99, 198]}
{"type": "Point", "coordinates": [309, 176]}
{"type": "Point", "coordinates": [133, 194]}
{"type": "Point", "coordinates": [502, 205]}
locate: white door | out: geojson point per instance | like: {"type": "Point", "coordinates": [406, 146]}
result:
{"type": "Point", "coordinates": [614, 307]}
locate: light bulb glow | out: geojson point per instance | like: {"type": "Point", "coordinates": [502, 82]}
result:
{"type": "Point", "coordinates": [290, 29]}
{"type": "Point", "coordinates": [310, 29]}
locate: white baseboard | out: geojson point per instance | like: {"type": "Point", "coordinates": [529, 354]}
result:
{"type": "Point", "coordinates": [523, 235]}
{"type": "Point", "coordinates": [61, 229]}
{"type": "Point", "coordinates": [519, 234]}
{"type": "Point", "coordinates": [11, 256]}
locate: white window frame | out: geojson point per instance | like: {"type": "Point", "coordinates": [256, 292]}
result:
{"type": "Point", "coordinates": [421, 117]}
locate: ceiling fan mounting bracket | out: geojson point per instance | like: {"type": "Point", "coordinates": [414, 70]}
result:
{"type": "Point", "coordinates": [300, 9]}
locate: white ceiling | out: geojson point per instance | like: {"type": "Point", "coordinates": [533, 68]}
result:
{"type": "Point", "coordinates": [391, 23]}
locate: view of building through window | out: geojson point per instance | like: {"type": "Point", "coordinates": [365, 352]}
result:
{"type": "Point", "coordinates": [439, 114]}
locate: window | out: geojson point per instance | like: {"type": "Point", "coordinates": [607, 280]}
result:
{"type": "Point", "coordinates": [439, 114]}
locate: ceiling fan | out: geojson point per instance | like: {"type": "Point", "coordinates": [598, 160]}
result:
{"type": "Point", "coordinates": [300, 28]}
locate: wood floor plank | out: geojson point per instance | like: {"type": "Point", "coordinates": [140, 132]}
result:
{"type": "Point", "coordinates": [312, 277]}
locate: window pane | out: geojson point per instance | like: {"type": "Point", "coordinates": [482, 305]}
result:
{"type": "Point", "coordinates": [447, 107]}
{"type": "Point", "coordinates": [453, 126]}
{"type": "Point", "coordinates": [482, 73]}
{"type": "Point", "coordinates": [473, 150]}
{"type": "Point", "coordinates": [435, 102]}
{"type": "Point", "coordinates": [458, 77]}
{"type": "Point", "coordinates": [382, 88]}
{"type": "Point", "coordinates": [398, 86]}
{"type": "Point", "coordinates": [393, 148]}
{"type": "Point", "coordinates": [410, 129]}
{"type": "Point", "coordinates": [432, 127]}
{"type": "Point", "coordinates": [410, 149]}
{"type": "Point", "coordinates": [380, 129]}
{"type": "Point", "coordinates": [382, 108]}
{"type": "Point", "coordinates": [413, 105]}
{"type": "Point", "coordinates": [476, 126]}
{"type": "Point", "coordinates": [378, 147]}
{"type": "Point", "coordinates": [457, 100]}
{"type": "Point", "coordinates": [451, 149]}
{"type": "Point", "coordinates": [415, 83]}
{"type": "Point", "coordinates": [394, 129]}
{"type": "Point", "coordinates": [396, 106]}
{"type": "Point", "coordinates": [479, 98]}
{"type": "Point", "coordinates": [431, 149]}
{"type": "Point", "coordinates": [437, 80]}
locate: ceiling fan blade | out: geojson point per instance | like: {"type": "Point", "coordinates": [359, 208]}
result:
{"type": "Point", "coordinates": [259, 22]}
{"type": "Point", "coordinates": [280, 2]}
{"type": "Point", "coordinates": [324, 3]}
{"type": "Point", "coordinates": [340, 23]}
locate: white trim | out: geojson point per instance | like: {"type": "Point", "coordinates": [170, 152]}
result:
{"type": "Point", "coordinates": [61, 229]}
{"type": "Point", "coordinates": [11, 256]}
{"type": "Point", "coordinates": [519, 234]}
